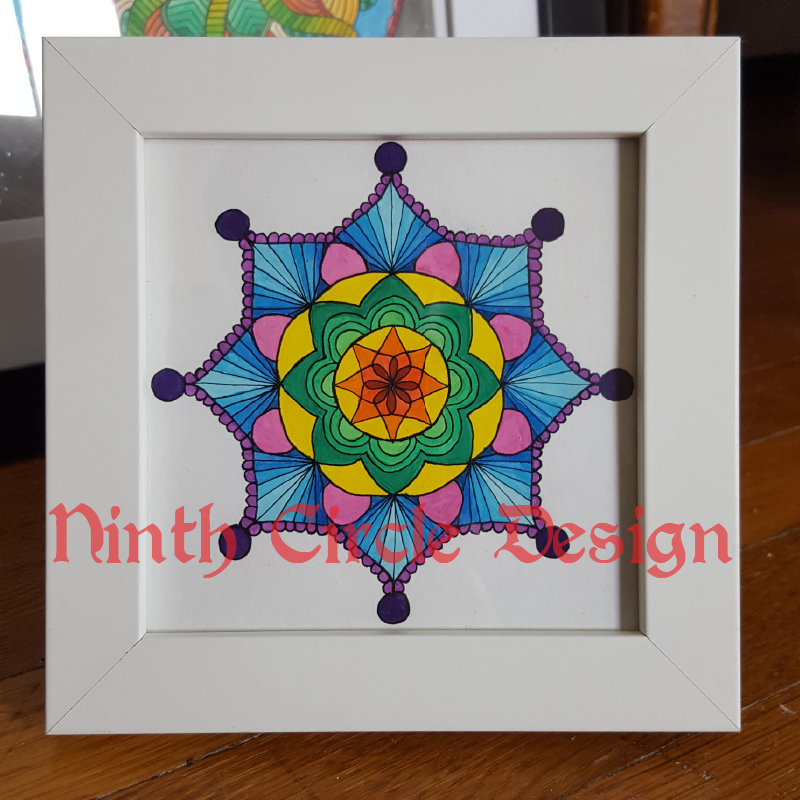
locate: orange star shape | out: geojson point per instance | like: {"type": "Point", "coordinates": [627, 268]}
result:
{"type": "Point", "coordinates": [391, 384]}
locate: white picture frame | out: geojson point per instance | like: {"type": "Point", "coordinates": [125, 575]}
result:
{"type": "Point", "coordinates": [105, 672]}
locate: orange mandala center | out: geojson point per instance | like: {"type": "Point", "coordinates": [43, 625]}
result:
{"type": "Point", "coordinates": [392, 383]}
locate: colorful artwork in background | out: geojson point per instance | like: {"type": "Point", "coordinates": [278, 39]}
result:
{"type": "Point", "coordinates": [371, 18]}
{"type": "Point", "coordinates": [392, 383]}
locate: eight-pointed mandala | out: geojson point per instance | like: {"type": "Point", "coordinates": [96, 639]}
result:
{"type": "Point", "coordinates": [392, 382]}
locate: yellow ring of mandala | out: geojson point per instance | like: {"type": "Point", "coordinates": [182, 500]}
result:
{"type": "Point", "coordinates": [297, 342]}
{"type": "Point", "coordinates": [434, 366]}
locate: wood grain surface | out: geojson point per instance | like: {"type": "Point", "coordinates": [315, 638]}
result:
{"type": "Point", "coordinates": [674, 17]}
{"type": "Point", "coordinates": [761, 762]}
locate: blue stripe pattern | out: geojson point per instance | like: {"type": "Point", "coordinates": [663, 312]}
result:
{"type": "Point", "coordinates": [394, 510]}
{"type": "Point", "coordinates": [390, 236]}
{"type": "Point", "coordinates": [286, 277]}
{"type": "Point", "coordinates": [284, 481]}
{"type": "Point", "coordinates": [540, 384]}
{"type": "Point", "coordinates": [494, 479]}
{"type": "Point", "coordinates": [244, 383]}
{"type": "Point", "coordinates": [494, 280]}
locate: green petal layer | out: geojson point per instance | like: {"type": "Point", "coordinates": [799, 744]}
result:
{"type": "Point", "coordinates": [335, 327]}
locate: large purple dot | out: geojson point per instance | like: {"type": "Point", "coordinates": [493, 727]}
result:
{"type": "Point", "coordinates": [548, 224]}
{"type": "Point", "coordinates": [394, 608]}
{"type": "Point", "coordinates": [232, 224]}
{"type": "Point", "coordinates": [616, 384]}
{"type": "Point", "coordinates": [167, 385]}
{"type": "Point", "coordinates": [545, 544]}
{"type": "Point", "coordinates": [390, 157]}
{"type": "Point", "coordinates": [243, 542]}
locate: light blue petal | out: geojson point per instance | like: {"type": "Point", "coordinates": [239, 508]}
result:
{"type": "Point", "coordinates": [492, 480]}
{"type": "Point", "coordinates": [390, 237]}
{"type": "Point", "coordinates": [495, 279]}
{"type": "Point", "coordinates": [540, 384]}
{"type": "Point", "coordinates": [284, 481]}
{"type": "Point", "coordinates": [244, 383]}
{"type": "Point", "coordinates": [285, 277]}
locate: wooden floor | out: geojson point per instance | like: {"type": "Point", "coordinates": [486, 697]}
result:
{"type": "Point", "coordinates": [761, 762]}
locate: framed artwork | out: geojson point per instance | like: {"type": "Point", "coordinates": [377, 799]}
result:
{"type": "Point", "coordinates": [261, 18]}
{"type": "Point", "coordinates": [460, 449]}
{"type": "Point", "coordinates": [392, 384]}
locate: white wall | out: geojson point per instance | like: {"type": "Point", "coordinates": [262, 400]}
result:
{"type": "Point", "coordinates": [471, 18]}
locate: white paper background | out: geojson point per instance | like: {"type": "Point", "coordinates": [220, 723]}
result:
{"type": "Point", "coordinates": [194, 298]}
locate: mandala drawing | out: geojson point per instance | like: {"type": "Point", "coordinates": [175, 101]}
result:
{"type": "Point", "coordinates": [392, 383]}
{"type": "Point", "coordinates": [264, 18]}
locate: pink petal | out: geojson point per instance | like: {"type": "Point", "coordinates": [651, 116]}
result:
{"type": "Point", "coordinates": [440, 261]}
{"type": "Point", "coordinates": [268, 433]}
{"type": "Point", "coordinates": [443, 505]}
{"type": "Point", "coordinates": [350, 506]}
{"type": "Point", "coordinates": [514, 433]}
{"type": "Point", "coordinates": [267, 332]}
{"type": "Point", "coordinates": [514, 334]}
{"type": "Point", "coordinates": [341, 262]}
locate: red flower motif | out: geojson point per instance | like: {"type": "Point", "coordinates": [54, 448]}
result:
{"type": "Point", "coordinates": [392, 383]}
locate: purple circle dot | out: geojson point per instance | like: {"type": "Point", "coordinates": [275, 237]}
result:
{"type": "Point", "coordinates": [390, 158]}
{"type": "Point", "coordinates": [243, 542]}
{"type": "Point", "coordinates": [616, 384]}
{"type": "Point", "coordinates": [544, 542]}
{"type": "Point", "coordinates": [167, 385]}
{"type": "Point", "coordinates": [232, 224]}
{"type": "Point", "coordinates": [548, 224]}
{"type": "Point", "coordinates": [394, 608]}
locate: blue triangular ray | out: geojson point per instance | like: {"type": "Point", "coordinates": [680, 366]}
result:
{"type": "Point", "coordinates": [540, 384]}
{"type": "Point", "coordinates": [492, 480]}
{"type": "Point", "coordinates": [244, 383]}
{"type": "Point", "coordinates": [285, 277]}
{"type": "Point", "coordinates": [386, 223]}
{"type": "Point", "coordinates": [415, 238]}
{"type": "Point", "coordinates": [393, 510]}
{"type": "Point", "coordinates": [284, 481]}
{"type": "Point", "coordinates": [390, 236]}
{"type": "Point", "coordinates": [495, 279]}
